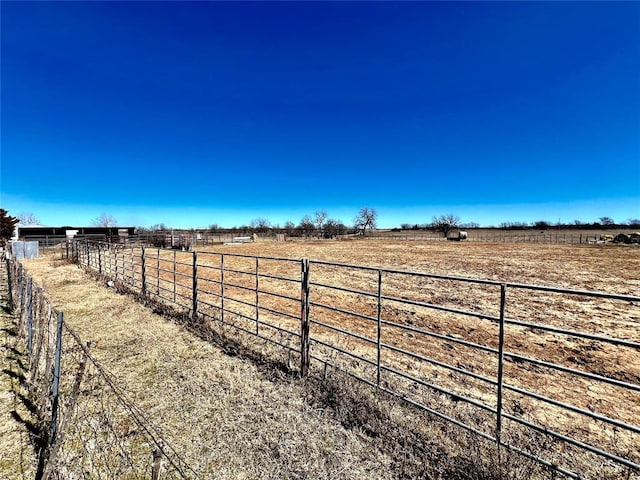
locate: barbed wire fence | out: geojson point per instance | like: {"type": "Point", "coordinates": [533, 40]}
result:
{"type": "Point", "coordinates": [87, 425]}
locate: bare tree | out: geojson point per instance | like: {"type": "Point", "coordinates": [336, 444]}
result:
{"type": "Point", "coordinates": [334, 227]}
{"type": "Point", "coordinates": [290, 228]}
{"type": "Point", "coordinates": [445, 223]}
{"type": "Point", "coordinates": [260, 225]}
{"type": "Point", "coordinates": [633, 222]}
{"type": "Point", "coordinates": [472, 225]}
{"type": "Point", "coordinates": [607, 221]}
{"type": "Point", "coordinates": [105, 220]}
{"type": "Point", "coordinates": [28, 218]}
{"type": "Point", "coordinates": [319, 220]}
{"type": "Point", "coordinates": [366, 218]}
{"type": "Point", "coordinates": [306, 226]}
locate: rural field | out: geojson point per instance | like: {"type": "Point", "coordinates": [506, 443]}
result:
{"type": "Point", "coordinates": [607, 268]}
{"type": "Point", "coordinates": [262, 296]}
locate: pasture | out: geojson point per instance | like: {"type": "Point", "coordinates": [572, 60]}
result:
{"type": "Point", "coordinates": [562, 361]}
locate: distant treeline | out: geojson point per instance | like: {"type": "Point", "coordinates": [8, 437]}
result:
{"type": "Point", "coordinates": [322, 227]}
{"type": "Point", "coordinates": [604, 223]}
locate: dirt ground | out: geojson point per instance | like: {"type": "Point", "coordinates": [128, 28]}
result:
{"type": "Point", "coordinates": [609, 268]}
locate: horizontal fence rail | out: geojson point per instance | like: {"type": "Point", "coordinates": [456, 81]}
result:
{"type": "Point", "coordinates": [552, 374]}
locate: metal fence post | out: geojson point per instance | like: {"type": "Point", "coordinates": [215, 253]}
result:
{"type": "Point", "coordinates": [503, 297]}
{"type": "Point", "coordinates": [144, 280]}
{"type": "Point", "coordinates": [304, 320]}
{"type": "Point", "coordinates": [23, 297]}
{"type": "Point", "coordinates": [195, 286]}
{"type": "Point", "coordinates": [379, 339]}
{"type": "Point", "coordinates": [10, 284]}
{"type": "Point", "coordinates": [156, 465]}
{"type": "Point", "coordinates": [55, 388]}
{"type": "Point", "coordinates": [257, 298]}
{"type": "Point", "coordinates": [115, 261]}
{"type": "Point", "coordinates": [30, 315]}
{"type": "Point", "coordinates": [222, 288]}
{"type": "Point", "coordinates": [100, 258]}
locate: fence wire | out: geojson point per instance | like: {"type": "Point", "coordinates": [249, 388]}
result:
{"type": "Point", "coordinates": [88, 426]}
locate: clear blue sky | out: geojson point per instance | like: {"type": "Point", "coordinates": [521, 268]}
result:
{"type": "Point", "coordinates": [211, 112]}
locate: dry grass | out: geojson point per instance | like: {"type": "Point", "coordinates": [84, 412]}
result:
{"type": "Point", "coordinates": [17, 459]}
{"type": "Point", "coordinates": [607, 268]}
{"type": "Point", "coordinates": [450, 452]}
{"type": "Point", "coordinates": [225, 416]}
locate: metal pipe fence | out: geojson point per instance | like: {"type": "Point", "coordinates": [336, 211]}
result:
{"type": "Point", "coordinates": [550, 373]}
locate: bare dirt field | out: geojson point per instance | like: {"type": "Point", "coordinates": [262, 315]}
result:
{"type": "Point", "coordinates": [611, 268]}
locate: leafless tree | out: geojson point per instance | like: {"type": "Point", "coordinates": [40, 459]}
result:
{"type": "Point", "coordinates": [472, 225]}
{"type": "Point", "coordinates": [633, 222]}
{"type": "Point", "coordinates": [445, 223]}
{"type": "Point", "coordinates": [306, 225]}
{"type": "Point", "coordinates": [607, 221]}
{"type": "Point", "coordinates": [334, 227]}
{"type": "Point", "coordinates": [260, 225]}
{"type": "Point", "coordinates": [105, 220]}
{"type": "Point", "coordinates": [319, 220]}
{"type": "Point", "coordinates": [28, 218]}
{"type": "Point", "coordinates": [289, 228]}
{"type": "Point", "coordinates": [366, 218]}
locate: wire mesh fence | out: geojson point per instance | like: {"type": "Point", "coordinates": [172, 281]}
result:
{"type": "Point", "coordinates": [552, 374]}
{"type": "Point", "coordinates": [87, 426]}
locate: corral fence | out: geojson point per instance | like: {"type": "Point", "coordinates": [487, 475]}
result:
{"type": "Point", "coordinates": [87, 426]}
{"type": "Point", "coordinates": [550, 373]}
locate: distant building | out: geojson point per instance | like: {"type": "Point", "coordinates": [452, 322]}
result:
{"type": "Point", "coordinates": [43, 233]}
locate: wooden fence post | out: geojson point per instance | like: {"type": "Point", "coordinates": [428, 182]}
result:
{"type": "Point", "coordinates": [304, 320]}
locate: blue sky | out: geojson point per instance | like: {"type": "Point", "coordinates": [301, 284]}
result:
{"type": "Point", "coordinates": [212, 112]}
